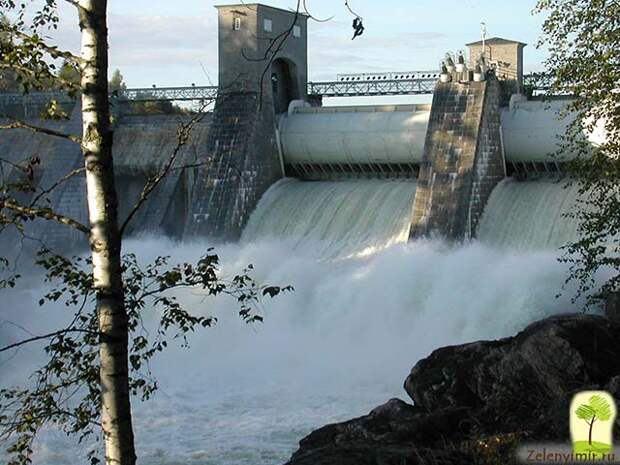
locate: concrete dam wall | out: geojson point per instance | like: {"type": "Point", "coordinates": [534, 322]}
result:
{"type": "Point", "coordinates": [368, 176]}
{"type": "Point", "coordinates": [365, 175]}
{"type": "Point", "coordinates": [142, 146]}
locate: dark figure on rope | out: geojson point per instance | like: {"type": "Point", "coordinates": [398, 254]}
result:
{"type": "Point", "coordinates": [358, 27]}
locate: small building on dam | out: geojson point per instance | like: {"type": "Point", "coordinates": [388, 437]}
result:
{"type": "Point", "coordinates": [269, 123]}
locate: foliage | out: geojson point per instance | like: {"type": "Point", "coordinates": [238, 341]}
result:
{"type": "Point", "coordinates": [26, 57]}
{"type": "Point", "coordinates": [155, 107]}
{"type": "Point", "coordinates": [598, 408]}
{"type": "Point", "coordinates": [494, 450]}
{"type": "Point", "coordinates": [8, 279]}
{"type": "Point", "coordinates": [65, 392]}
{"type": "Point", "coordinates": [117, 82]}
{"type": "Point", "coordinates": [68, 73]}
{"type": "Point", "coordinates": [583, 37]}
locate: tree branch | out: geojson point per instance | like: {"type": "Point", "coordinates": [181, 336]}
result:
{"type": "Point", "coordinates": [45, 213]}
{"type": "Point", "coordinates": [47, 336]}
{"type": "Point", "coordinates": [183, 137]}
{"type": "Point", "coordinates": [18, 124]}
{"type": "Point", "coordinates": [33, 72]}
{"type": "Point", "coordinates": [65, 178]}
{"type": "Point", "coordinates": [54, 51]}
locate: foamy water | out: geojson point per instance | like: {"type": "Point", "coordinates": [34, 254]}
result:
{"type": "Point", "coordinates": [338, 346]}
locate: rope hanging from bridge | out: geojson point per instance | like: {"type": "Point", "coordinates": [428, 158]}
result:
{"type": "Point", "coordinates": [358, 22]}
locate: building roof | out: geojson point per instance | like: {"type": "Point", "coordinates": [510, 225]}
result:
{"type": "Point", "coordinates": [497, 41]}
{"type": "Point", "coordinates": [259, 5]}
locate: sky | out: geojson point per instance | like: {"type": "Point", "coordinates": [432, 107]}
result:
{"type": "Point", "coordinates": [174, 43]}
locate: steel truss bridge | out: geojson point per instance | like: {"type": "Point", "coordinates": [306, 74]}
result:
{"type": "Point", "coordinates": [345, 85]}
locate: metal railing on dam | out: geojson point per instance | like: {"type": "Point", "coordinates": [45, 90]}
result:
{"type": "Point", "coordinates": [346, 85]}
{"type": "Point", "coordinates": [371, 84]}
{"type": "Point", "coordinates": [151, 94]}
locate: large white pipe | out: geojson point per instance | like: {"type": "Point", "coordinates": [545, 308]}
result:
{"type": "Point", "coordinates": [532, 130]}
{"type": "Point", "coordinates": [356, 135]}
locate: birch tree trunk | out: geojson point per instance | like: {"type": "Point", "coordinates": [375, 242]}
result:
{"type": "Point", "coordinates": [105, 239]}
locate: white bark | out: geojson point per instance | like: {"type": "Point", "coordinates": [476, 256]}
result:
{"type": "Point", "coordinates": [105, 240]}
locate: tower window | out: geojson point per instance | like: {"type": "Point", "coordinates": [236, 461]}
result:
{"type": "Point", "coordinates": [296, 31]}
{"type": "Point", "coordinates": [267, 25]}
{"type": "Point", "coordinates": [236, 23]}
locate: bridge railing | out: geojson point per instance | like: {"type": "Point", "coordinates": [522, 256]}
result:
{"type": "Point", "coordinates": [346, 85]}
{"type": "Point", "coordinates": [149, 94]}
{"type": "Point", "coordinates": [355, 88]}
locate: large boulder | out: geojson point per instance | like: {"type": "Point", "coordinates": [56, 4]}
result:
{"type": "Point", "coordinates": [512, 382]}
{"type": "Point", "coordinates": [519, 386]}
{"type": "Point", "coordinates": [393, 433]}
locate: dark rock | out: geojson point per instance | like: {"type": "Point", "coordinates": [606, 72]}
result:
{"type": "Point", "coordinates": [388, 435]}
{"type": "Point", "coordinates": [520, 386]}
{"type": "Point", "coordinates": [518, 378]}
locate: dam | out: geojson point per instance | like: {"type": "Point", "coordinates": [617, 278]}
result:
{"type": "Point", "coordinates": [402, 227]}
{"type": "Point", "coordinates": [272, 159]}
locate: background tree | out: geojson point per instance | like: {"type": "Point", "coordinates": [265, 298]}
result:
{"type": "Point", "coordinates": [117, 82]}
{"type": "Point", "coordinates": [583, 37]}
{"type": "Point", "coordinates": [67, 73]}
{"type": "Point", "coordinates": [8, 78]}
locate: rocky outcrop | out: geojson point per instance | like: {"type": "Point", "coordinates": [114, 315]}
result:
{"type": "Point", "coordinates": [511, 389]}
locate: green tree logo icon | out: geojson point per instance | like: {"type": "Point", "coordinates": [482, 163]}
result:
{"type": "Point", "coordinates": [597, 409]}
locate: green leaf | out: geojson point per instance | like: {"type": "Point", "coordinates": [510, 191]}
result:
{"type": "Point", "coordinates": [601, 407]}
{"type": "Point", "coordinates": [585, 412]}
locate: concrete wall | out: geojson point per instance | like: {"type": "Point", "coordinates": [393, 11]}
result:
{"type": "Point", "coordinates": [505, 55]}
{"type": "Point", "coordinates": [243, 52]}
{"type": "Point", "coordinates": [238, 157]}
{"type": "Point", "coordinates": [244, 158]}
{"type": "Point", "coordinates": [244, 162]}
{"type": "Point", "coordinates": [142, 145]}
{"type": "Point", "coordinates": [462, 159]}
{"type": "Point", "coordinates": [58, 157]}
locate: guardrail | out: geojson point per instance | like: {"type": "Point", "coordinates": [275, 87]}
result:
{"type": "Point", "coordinates": [346, 85]}
{"type": "Point", "coordinates": [170, 93]}
{"type": "Point", "coordinates": [357, 88]}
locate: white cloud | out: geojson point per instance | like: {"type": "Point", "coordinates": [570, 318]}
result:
{"type": "Point", "coordinates": [171, 50]}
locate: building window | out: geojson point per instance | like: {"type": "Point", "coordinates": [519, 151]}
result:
{"type": "Point", "coordinates": [296, 31]}
{"type": "Point", "coordinates": [267, 25]}
{"type": "Point", "coordinates": [236, 24]}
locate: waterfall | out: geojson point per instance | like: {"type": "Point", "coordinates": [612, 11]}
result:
{"type": "Point", "coordinates": [335, 219]}
{"type": "Point", "coordinates": [338, 346]}
{"type": "Point", "coordinates": [344, 341]}
{"type": "Point", "coordinates": [530, 215]}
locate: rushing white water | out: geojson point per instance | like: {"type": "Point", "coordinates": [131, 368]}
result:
{"type": "Point", "coordinates": [334, 218]}
{"type": "Point", "coordinates": [341, 344]}
{"type": "Point", "coordinates": [530, 215]}
{"type": "Point", "coordinates": [345, 340]}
